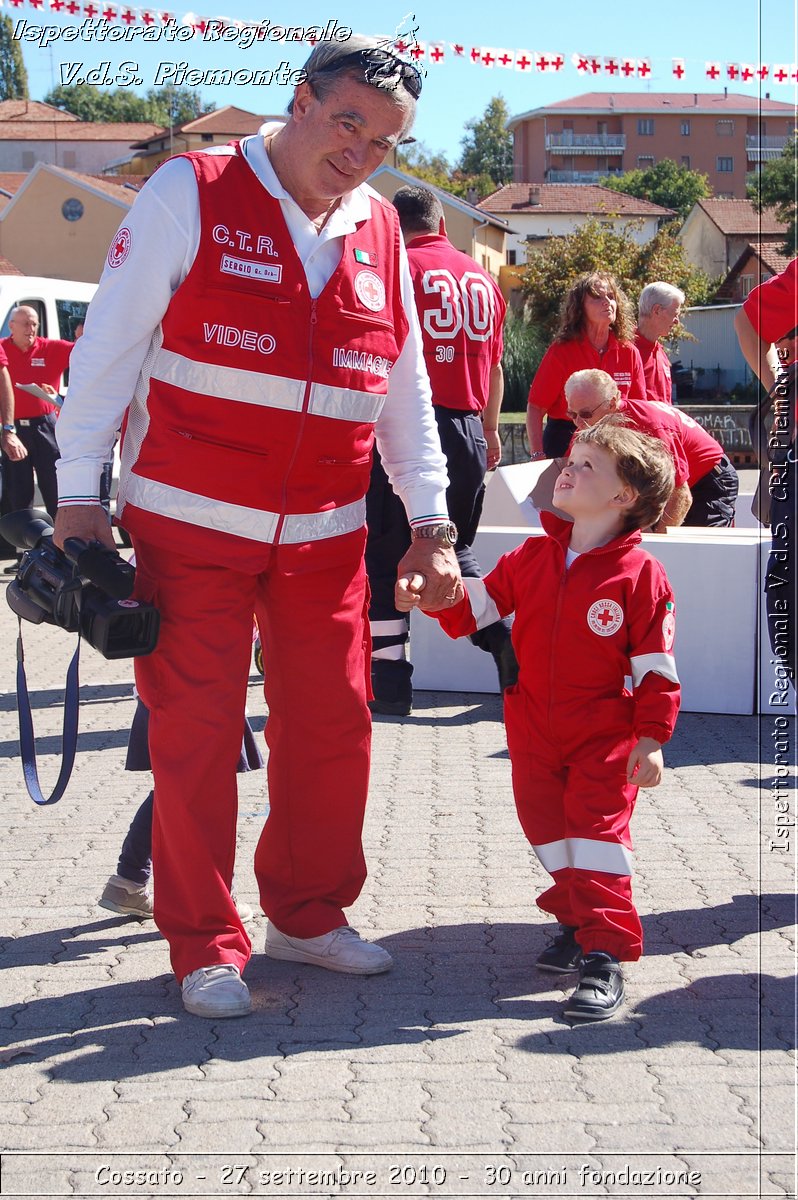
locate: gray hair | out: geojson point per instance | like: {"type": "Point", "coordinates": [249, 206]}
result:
{"type": "Point", "coordinates": [322, 76]}
{"type": "Point", "coordinates": [660, 293]}
{"type": "Point", "coordinates": [593, 380]}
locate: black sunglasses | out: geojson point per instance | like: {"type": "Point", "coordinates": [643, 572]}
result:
{"type": "Point", "coordinates": [380, 67]}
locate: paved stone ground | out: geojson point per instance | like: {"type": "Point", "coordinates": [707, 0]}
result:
{"type": "Point", "coordinates": [453, 1075]}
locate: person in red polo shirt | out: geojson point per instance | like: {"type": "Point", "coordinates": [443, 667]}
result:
{"type": "Point", "coordinates": [767, 326]}
{"type": "Point", "coordinates": [596, 330]}
{"type": "Point", "coordinates": [658, 312]}
{"type": "Point", "coordinates": [33, 360]}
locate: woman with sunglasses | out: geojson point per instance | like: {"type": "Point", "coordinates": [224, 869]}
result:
{"type": "Point", "coordinates": [596, 330]}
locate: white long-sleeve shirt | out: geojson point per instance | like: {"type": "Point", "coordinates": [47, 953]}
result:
{"type": "Point", "coordinates": [164, 230]}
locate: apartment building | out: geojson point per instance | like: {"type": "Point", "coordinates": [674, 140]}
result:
{"type": "Point", "coordinates": [579, 140]}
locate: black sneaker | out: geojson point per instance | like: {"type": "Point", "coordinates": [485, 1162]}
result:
{"type": "Point", "coordinates": [392, 687]}
{"type": "Point", "coordinates": [563, 955]}
{"type": "Point", "coordinates": [599, 993]}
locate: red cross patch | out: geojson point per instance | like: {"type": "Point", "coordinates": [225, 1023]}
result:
{"type": "Point", "coordinates": [605, 617]}
{"type": "Point", "coordinates": [120, 248]}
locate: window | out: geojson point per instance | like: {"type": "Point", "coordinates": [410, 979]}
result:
{"type": "Point", "coordinates": [724, 128]}
{"type": "Point", "coordinates": [746, 285]}
{"type": "Point", "coordinates": [512, 256]}
{"type": "Point", "coordinates": [644, 161]}
{"type": "Point", "coordinates": [725, 165]}
{"type": "Point", "coordinates": [207, 137]}
{"type": "Point", "coordinates": [685, 129]}
{"type": "Point", "coordinates": [645, 127]}
{"type": "Point", "coordinates": [686, 161]}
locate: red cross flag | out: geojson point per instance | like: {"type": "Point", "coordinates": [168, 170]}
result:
{"type": "Point", "coordinates": [712, 70]}
{"type": "Point", "coordinates": [458, 51]}
{"type": "Point", "coordinates": [746, 72]}
{"type": "Point", "coordinates": [732, 70]}
{"type": "Point", "coordinates": [781, 73]}
{"type": "Point", "coordinates": [763, 71]}
{"type": "Point", "coordinates": [523, 60]}
{"type": "Point", "coordinates": [678, 68]}
{"type": "Point", "coordinates": [488, 56]}
{"type": "Point", "coordinates": [557, 63]}
{"type": "Point", "coordinates": [436, 52]}
{"type": "Point", "coordinates": [644, 67]}
{"type": "Point", "coordinates": [611, 66]}
{"type": "Point", "coordinates": [629, 67]}
{"type": "Point", "coordinates": [506, 59]}
{"type": "Point", "coordinates": [581, 63]}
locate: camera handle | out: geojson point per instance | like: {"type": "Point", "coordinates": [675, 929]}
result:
{"type": "Point", "coordinates": [69, 735]}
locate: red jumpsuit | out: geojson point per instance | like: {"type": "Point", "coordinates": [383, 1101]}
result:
{"type": "Point", "coordinates": [571, 723]}
{"type": "Point", "coordinates": [245, 461]}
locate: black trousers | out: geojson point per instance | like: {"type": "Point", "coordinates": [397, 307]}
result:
{"type": "Point", "coordinates": [37, 435]}
{"type": "Point", "coordinates": [463, 444]}
{"type": "Point", "coordinates": [714, 497]}
{"type": "Point", "coordinates": [557, 435]}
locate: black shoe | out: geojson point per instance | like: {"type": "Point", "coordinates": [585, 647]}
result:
{"type": "Point", "coordinates": [599, 993]}
{"type": "Point", "coordinates": [390, 683]}
{"type": "Point", "coordinates": [563, 955]}
{"type": "Point", "coordinates": [506, 664]}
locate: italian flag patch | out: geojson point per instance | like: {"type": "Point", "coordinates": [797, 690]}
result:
{"type": "Point", "coordinates": [363, 256]}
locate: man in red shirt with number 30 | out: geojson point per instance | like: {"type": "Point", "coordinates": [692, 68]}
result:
{"type": "Point", "coordinates": [461, 312]}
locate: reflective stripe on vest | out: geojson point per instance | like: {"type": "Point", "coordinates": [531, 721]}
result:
{"type": "Point", "coordinates": [251, 523]}
{"type": "Point", "coordinates": [266, 391]}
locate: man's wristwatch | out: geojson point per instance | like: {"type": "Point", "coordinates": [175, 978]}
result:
{"type": "Point", "coordinates": [9, 429]}
{"type": "Point", "coordinates": [444, 531]}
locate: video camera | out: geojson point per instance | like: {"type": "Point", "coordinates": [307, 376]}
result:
{"type": "Point", "coordinates": [85, 590]}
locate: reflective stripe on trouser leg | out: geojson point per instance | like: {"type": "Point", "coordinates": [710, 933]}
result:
{"type": "Point", "coordinates": [311, 614]}
{"type": "Point", "coordinates": [575, 806]}
{"type": "Point", "coordinates": [389, 639]}
{"type": "Point", "coordinates": [194, 685]}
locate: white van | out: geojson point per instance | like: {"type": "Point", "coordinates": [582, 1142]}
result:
{"type": "Point", "coordinates": [60, 303]}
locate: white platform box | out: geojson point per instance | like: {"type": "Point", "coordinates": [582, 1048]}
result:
{"type": "Point", "coordinates": [715, 577]}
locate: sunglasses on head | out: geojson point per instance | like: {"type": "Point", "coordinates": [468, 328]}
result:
{"type": "Point", "coordinates": [380, 68]}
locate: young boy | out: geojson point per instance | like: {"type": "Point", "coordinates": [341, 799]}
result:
{"type": "Point", "coordinates": [591, 608]}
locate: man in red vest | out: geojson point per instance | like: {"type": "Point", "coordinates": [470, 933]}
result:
{"type": "Point", "coordinates": [461, 311]}
{"type": "Point", "coordinates": [255, 318]}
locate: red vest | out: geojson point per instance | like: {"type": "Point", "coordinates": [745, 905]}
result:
{"type": "Point", "coordinates": [254, 423]}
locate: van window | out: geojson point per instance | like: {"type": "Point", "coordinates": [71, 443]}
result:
{"type": "Point", "coordinates": [71, 313]}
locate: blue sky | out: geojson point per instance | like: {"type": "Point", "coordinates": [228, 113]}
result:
{"type": "Point", "coordinates": [748, 31]}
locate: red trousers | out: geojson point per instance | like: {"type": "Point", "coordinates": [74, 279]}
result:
{"type": "Point", "coordinates": [574, 804]}
{"type": "Point", "coordinates": [311, 606]}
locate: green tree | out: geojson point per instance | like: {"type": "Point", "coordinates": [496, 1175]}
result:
{"type": "Point", "coordinates": [665, 183]}
{"type": "Point", "coordinates": [524, 347]}
{"type": "Point", "coordinates": [774, 186]}
{"type": "Point", "coordinates": [164, 106]}
{"type": "Point", "coordinates": [419, 161]}
{"type": "Point", "coordinates": [488, 146]}
{"type": "Point", "coordinates": [550, 271]}
{"type": "Point", "coordinates": [13, 76]}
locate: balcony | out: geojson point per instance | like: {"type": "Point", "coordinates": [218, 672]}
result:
{"type": "Point", "coordinates": [760, 148]}
{"type": "Point", "coordinates": [580, 176]}
{"type": "Point", "coordinates": [585, 143]}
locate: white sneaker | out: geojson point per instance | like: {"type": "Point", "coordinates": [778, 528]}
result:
{"type": "Point", "coordinates": [342, 949]}
{"type": "Point", "coordinates": [130, 899]}
{"type": "Point", "coordinates": [217, 991]}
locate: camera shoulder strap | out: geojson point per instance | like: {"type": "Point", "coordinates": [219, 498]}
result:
{"type": "Point", "coordinates": [69, 736]}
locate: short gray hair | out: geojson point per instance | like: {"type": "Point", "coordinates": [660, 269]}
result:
{"type": "Point", "coordinates": [658, 293]}
{"type": "Point", "coordinates": [322, 76]}
{"type": "Point", "coordinates": [595, 381]}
